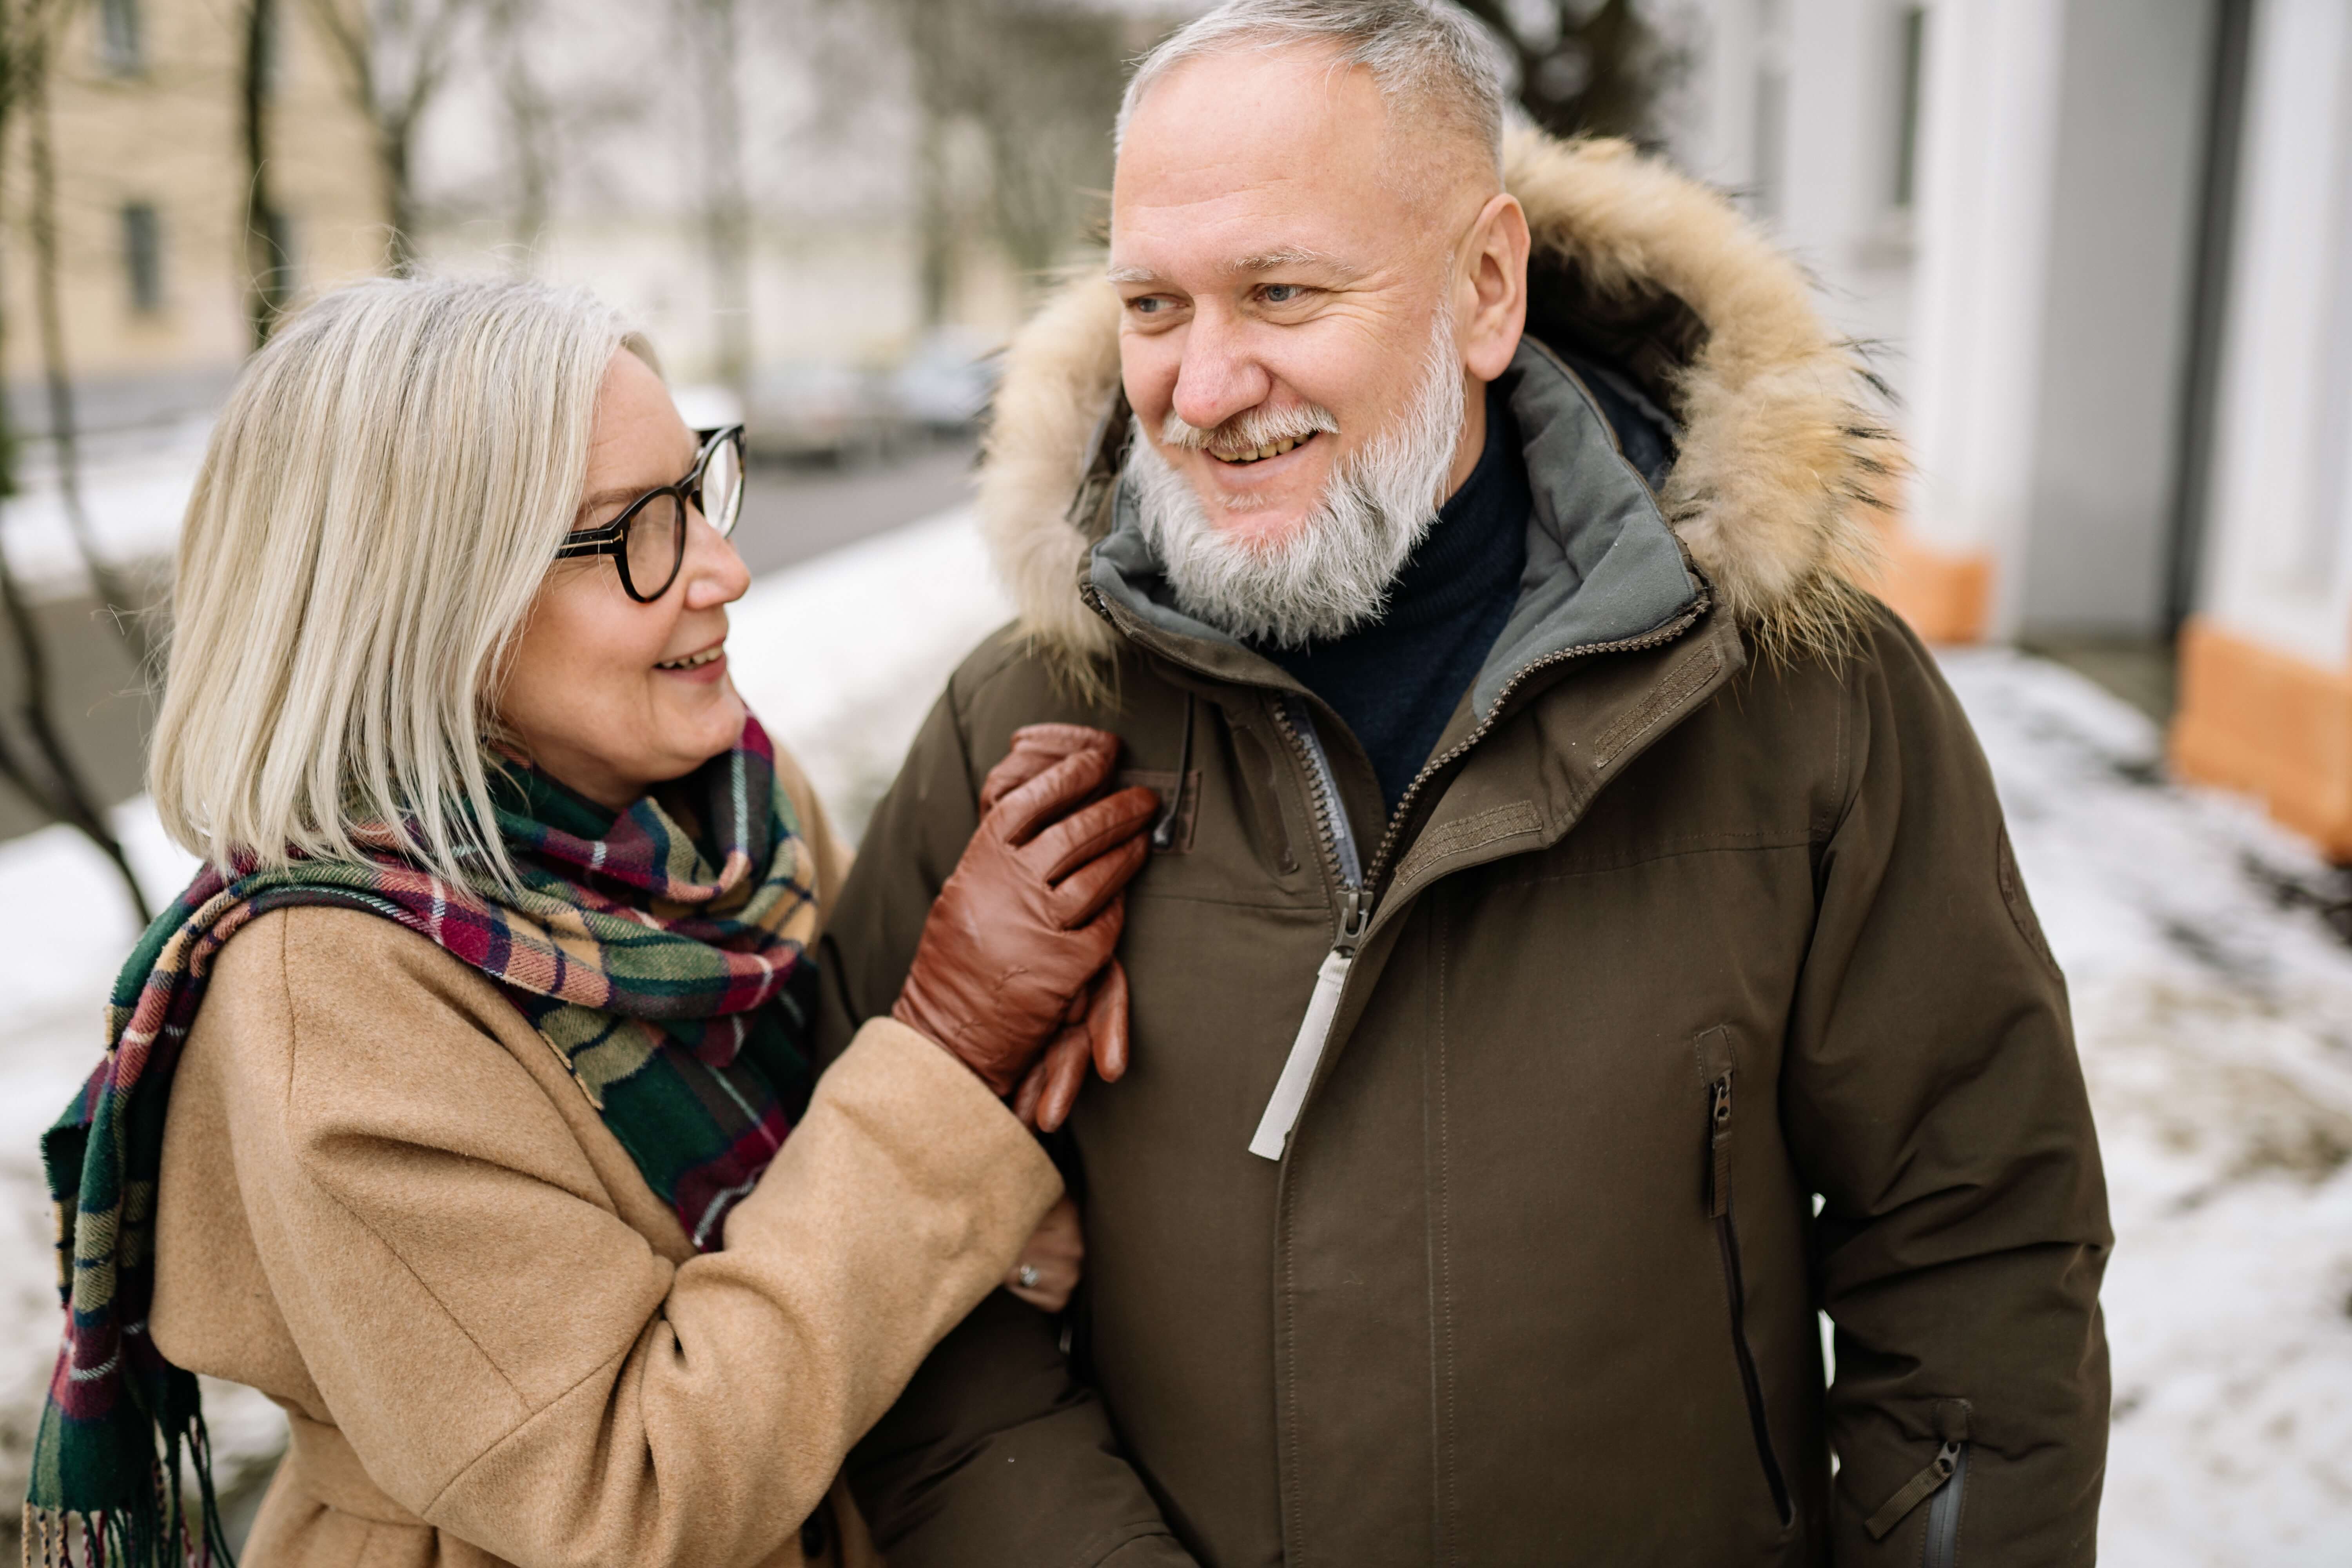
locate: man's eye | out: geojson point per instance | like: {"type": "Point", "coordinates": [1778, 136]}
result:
{"type": "Point", "coordinates": [1149, 305]}
{"type": "Point", "coordinates": [1282, 293]}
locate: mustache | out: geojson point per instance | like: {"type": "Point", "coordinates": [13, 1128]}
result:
{"type": "Point", "coordinates": [1252, 427]}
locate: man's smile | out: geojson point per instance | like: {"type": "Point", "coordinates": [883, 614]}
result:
{"type": "Point", "coordinates": [1245, 456]}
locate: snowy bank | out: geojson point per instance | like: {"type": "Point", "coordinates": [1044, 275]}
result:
{"type": "Point", "coordinates": [2214, 1010]}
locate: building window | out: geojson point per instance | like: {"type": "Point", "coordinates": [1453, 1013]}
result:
{"type": "Point", "coordinates": [143, 257]}
{"type": "Point", "coordinates": [1912, 66]}
{"type": "Point", "coordinates": [117, 35]}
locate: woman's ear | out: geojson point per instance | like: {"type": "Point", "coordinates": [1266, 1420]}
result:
{"type": "Point", "coordinates": [1490, 305]}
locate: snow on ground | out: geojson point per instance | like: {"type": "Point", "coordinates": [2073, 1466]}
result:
{"type": "Point", "coordinates": [2212, 1003]}
{"type": "Point", "coordinates": [134, 496]}
{"type": "Point", "coordinates": [2213, 1008]}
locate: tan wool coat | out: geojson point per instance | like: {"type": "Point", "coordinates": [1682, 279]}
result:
{"type": "Point", "coordinates": [385, 1204]}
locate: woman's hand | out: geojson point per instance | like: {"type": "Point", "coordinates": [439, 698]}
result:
{"type": "Point", "coordinates": [1030, 916]}
{"type": "Point", "coordinates": [1097, 1032]}
{"type": "Point", "coordinates": [1049, 1267]}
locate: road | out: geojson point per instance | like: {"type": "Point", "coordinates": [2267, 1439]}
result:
{"type": "Point", "coordinates": [790, 514]}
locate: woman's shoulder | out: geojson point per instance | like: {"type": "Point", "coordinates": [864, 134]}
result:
{"type": "Point", "coordinates": [317, 987]}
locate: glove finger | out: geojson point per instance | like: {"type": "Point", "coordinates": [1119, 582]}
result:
{"type": "Point", "coordinates": [1107, 1022]}
{"type": "Point", "coordinates": [1035, 748]}
{"type": "Point", "coordinates": [1019, 816]}
{"type": "Point", "coordinates": [1078, 837]}
{"type": "Point", "coordinates": [1031, 1089]}
{"type": "Point", "coordinates": [1088, 890]}
{"type": "Point", "coordinates": [1065, 1074]}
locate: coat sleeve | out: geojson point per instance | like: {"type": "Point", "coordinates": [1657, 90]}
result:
{"type": "Point", "coordinates": [998, 1455]}
{"type": "Point", "coordinates": [517, 1366]}
{"type": "Point", "coordinates": [1932, 1096]}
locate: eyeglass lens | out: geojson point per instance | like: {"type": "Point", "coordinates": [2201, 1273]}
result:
{"type": "Point", "coordinates": [656, 544]}
{"type": "Point", "coordinates": [658, 532]}
{"type": "Point", "coordinates": [722, 485]}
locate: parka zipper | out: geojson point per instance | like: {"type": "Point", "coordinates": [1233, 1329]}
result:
{"type": "Point", "coordinates": [1718, 1208]}
{"type": "Point", "coordinates": [1355, 913]}
{"type": "Point", "coordinates": [1944, 1483]}
{"type": "Point", "coordinates": [1358, 889]}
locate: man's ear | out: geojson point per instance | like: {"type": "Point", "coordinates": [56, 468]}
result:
{"type": "Point", "coordinates": [1490, 301]}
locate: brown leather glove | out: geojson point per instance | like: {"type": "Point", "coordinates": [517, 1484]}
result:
{"type": "Point", "coordinates": [1097, 1027]}
{"type": "Point", "coordinates": [1030, 915]}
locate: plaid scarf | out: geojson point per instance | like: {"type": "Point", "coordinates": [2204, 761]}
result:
{"type": "Point", "coordinates": [662, 954]}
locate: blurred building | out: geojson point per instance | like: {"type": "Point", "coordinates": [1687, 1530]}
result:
{"type": "Point", "coordinates": [146, 104]}
{"type": "Point", "coordinates": [2103, 248]}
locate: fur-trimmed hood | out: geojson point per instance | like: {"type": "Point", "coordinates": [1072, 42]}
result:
{"type": "Point", "coordinates": [1781, 467]}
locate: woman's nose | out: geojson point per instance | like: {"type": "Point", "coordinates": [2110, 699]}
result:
{"type": "Point", "coordinates": [714, 573]}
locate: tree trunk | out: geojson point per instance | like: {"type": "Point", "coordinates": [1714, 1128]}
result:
{"type": "Point", "coordinates": [122, 603]}
{"type": "Point", "coordinates": [60, 794]}
{"type": "Point", "coordinates": [727, 217]}
{"type": "Point", "coordinates": [269, 275]}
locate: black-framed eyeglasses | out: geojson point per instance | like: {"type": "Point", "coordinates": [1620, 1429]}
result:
{"type": "Point", "coordinates": [647, 541]}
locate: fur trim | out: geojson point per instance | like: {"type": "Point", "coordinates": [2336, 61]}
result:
{"type": "Point", "coordinates": [1782, 467]}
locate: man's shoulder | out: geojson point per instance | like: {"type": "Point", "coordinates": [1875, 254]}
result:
{"type": "Point", "coordinates": [1010, 679]}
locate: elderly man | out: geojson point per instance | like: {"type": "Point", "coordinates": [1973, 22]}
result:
{"type": "Point", "coordinates": [1583, 944]}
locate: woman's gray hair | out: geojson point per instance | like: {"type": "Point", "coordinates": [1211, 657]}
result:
{"type": "Point", "coordinates": [1437, 59]}
{"type": "Point", "coordinates": [382, 498]}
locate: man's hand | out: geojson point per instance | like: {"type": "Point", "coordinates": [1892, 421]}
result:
{"type": "Point", "coordinates": [1016, 938]}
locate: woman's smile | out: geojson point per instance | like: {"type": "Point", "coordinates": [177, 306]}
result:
{"type": "Point", "coordinates": [707, 664]}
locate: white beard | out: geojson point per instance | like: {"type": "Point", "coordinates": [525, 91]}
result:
{"type": "Point", "coordinates": [1332, 574]}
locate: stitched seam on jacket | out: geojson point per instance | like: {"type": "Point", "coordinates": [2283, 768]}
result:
{"type": "Point", "coordinates": [1713, 844]}
{"type": "Point", "coordinates": [528, 1421]}
{"type": "Point", "coordinates": [294, 1028]}
{"type": "Point", "coordinates": [1449, 1482]}
{"type": "Point", "coordinates": [1695, 673]}
{"type": "Point", "coordinates": [1470, 833]}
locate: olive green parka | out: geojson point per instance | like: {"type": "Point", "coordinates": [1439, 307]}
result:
{"type": "Point", "coordinates": [1692, 993]}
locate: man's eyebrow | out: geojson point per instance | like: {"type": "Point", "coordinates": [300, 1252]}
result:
{"type": "Point", "coordinates": [1264, 261]}
{"type": "Point", "coordinates": [1291, 256]}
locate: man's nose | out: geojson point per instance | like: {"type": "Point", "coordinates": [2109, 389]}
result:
{"type": "Point", "coordinates": [1218, 376]}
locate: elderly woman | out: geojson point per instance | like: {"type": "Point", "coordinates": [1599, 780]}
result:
{"type": "Point", "coordinates": [463, 1104]}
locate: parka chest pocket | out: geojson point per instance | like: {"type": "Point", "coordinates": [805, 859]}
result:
{"type": "Point", "coordinates": [1719, 1081]}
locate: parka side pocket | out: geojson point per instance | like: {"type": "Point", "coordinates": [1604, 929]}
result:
{"type": "Point", "coordinates": [1945, 1480]}
{"type": "Point", "coordinates": [1718, 1072]}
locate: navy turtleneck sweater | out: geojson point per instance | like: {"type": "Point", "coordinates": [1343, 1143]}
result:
{"type": "Point", "coordinates": [1396, 681]}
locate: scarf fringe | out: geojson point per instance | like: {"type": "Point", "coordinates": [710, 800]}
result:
{"type": "Point", "coordinates": [162, 1535]}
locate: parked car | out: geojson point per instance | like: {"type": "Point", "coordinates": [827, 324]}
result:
{"type": "Point", "coordinates": [821, 409]}
{"type": "Point", "coordinates": [945, 384]}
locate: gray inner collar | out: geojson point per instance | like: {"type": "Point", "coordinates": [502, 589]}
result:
{"type": "Point", "coordinates": [1602, 565]}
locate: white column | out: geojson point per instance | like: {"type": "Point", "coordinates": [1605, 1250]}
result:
{"type": "Point", "coordinates": [2279, 543]}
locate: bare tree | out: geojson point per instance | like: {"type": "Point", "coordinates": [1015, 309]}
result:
{"type": "Point", "coordinates": [33, 757]}
{"type": "Point", "coordinates": [531, 123]}
{"type": "Point", "coordinates": [117, 596]}
{"type": "Point", "coordinates": [269, 269]}
{"type": "Point", "coordinates": [714, 35]}
{"type": "Point", "coordinates": [1040, 79]}
{"type": "Point", "coordinates": [396, 55]}
{"type": "Point", "coordinates": [1587, 68]}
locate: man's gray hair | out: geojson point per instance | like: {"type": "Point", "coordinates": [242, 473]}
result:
{"type": "Point", "coordinates": [1436, 57]}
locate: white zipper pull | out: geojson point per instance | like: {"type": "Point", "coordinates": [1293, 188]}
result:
{"type": "Point", "coordinates": [1314, 1032]}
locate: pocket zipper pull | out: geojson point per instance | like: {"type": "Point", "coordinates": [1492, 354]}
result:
{"type": "Point", "coordinates": [1916, 1491]}
{"type": "Point", "coordinates": [1314, 1032]}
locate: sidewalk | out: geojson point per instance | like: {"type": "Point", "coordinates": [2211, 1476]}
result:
{"type": "Point", "coordinates": [2215, 1021]}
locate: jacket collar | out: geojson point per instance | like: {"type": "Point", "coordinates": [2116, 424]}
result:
{"type": "Point", "coordinates": [1779, 471]}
